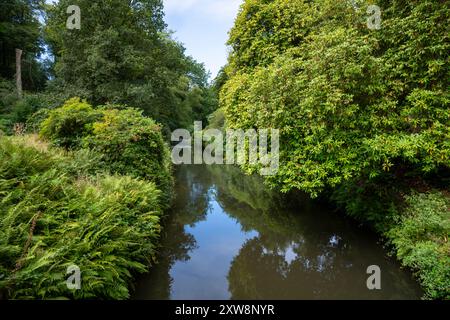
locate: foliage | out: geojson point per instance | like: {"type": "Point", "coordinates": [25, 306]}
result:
{"type": "Point", "coordinates": [40, 188]}
{"type": "Point", "coordinates": [35, 120]}
{"type": "Point", "coordinates": [123, 54]}
{"type": "Point", "coordinates": [216, 120]}
{"type": "Point", "coordinates": [420, 238]}
{"type": "Point", "coordinates": [68, 125]}
{"type": "Point", "coordinates": [128, 142]}
{"type": "Point", "coordinates": [132, 144]}
{"type": "Point", "coordinates": [20, 29]}
{"type": "Point", "coordinates": [363, 114]}
{"type": "Point", "coordinates": [14, 110]}
{"type": "Point", "coordinates": [334, 89]}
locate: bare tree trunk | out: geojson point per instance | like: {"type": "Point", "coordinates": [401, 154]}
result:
{"type": "Point", "coordinates": [19, 72]}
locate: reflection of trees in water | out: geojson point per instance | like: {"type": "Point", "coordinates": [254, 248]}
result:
{"type": "Point", "coordinates": [192, 196]}
{"type": "Point", "coordinates": [191, 205]}
{"type": "Point", "coordinates": [297, 254]}
{"type": "Point", "coordinates": [300, 253]}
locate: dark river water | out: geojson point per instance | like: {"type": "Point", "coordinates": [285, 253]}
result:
{"type": "Point", "coordinates": [229, 237]}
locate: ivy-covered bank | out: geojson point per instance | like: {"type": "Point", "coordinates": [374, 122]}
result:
{"type": "Point", "coordinates": [363, 113]}
{"type": "Point", "coordinates": [89, 192]}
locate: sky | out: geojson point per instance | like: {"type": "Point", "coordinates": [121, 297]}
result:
{"type": "Point", "coordinates": [202, 26]}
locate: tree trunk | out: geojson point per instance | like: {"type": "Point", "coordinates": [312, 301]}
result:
{"type": "Point", "coordinates": [19, 72]}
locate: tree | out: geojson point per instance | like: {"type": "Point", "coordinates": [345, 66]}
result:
{"type": "Point", "coordinates": [19, 72]}
{"type": "Point", "coordinates": [353, 104]}
{"type": "Point", "coordinates": [20, 30]}
{"type": "Point", "coordinates": [123, 54]}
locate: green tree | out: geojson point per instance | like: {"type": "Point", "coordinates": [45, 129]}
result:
{"type": "Point", "coordinates": [123, 54]}
{"type": "Point", "coordinates": [20, 29]}
{"type": "Point", "coordinates": [351, 103]}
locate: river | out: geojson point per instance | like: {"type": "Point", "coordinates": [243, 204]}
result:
{"type": "Point", "coordinates": [229, 237]}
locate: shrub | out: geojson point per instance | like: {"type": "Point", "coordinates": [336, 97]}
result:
{"type": "Point", "coordinates": [8, 96]}
{"type": "Point", "coordinates": [25, 107]}
{"type": "Point", "coordinates": [53, 215]}
{"type": "Point", "coordinates": [420, 238]}
{"type": "Point", "coordinates": [128, 142]}
{"type": "Point", "coordinates": [347, 102]}
{"type": "Point", "coordinates": [131, 144]}
{"type": "Point", "coordinates": [14, 110]}
{"type": "Point", "coordinates": [66, 126]}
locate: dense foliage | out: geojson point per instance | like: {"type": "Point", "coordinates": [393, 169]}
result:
{"type": "Point", "coordinates": [349, 101]}
{"type": "Point", "coordinates": [54, 213]}
{"type": "Point", "coordinates": [363, 114]}
{"type": "Point", "coordinates": [67, 126]}
{"type": "Point", "coordinates": [127, 142]}
{"type": "Point", "coordinates": [123, 54]}
{"type": "Point", "coordinates": [420, 238]}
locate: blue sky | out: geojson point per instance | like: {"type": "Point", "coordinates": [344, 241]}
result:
{"type": "Point", "coordinates": [202, 26]}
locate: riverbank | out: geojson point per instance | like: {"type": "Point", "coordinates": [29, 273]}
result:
{"type": "Point", "coordinates": [363, 114]}
{"type": "Point", "coordinates": [80, 211]}
{"type": "Point", "coordinates": [414, 225]}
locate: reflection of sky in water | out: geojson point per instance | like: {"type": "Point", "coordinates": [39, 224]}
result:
{"type": "Point", "coordinates": [205, 274]}
{"type": "Point", "coordinates": [290, 255]}
{"type": "Point", "coordinates": [305, 253]}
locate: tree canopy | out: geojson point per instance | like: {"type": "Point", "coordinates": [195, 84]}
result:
{"type": "Point", "coordinates": [20, 29]}
{"type": "Point", "coordinates": [124, 54]}
{"type": "Point", "coordinates": [351, 103]}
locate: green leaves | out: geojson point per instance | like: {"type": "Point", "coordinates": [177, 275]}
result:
{"type": "Point", "coordinates": [66, 126]}
{"type": "Point", "coordinates": [420, 239]}
{"type": "Point", "coordinates": [336, 93]}
{"type": "Point", "coordinates": [106, 225]}
{"type": "Point", "coordinates": [363, 114]}
{"type": "Point", "coordinates": [123, 54]}
{"type": "Point", "coordinates": [125, 141]}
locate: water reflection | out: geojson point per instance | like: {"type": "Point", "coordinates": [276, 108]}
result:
{"type": "Point", "coordinates": [229, 237]}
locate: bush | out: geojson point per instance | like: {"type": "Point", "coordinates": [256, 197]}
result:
{"type": "Point", "coordinates": [14, 110]}
{"type": "Point", "coordinates": [361, 113]}
{"type": "Point", "coordinates": [67, 126]}
{"type": "Point", "coordinates": [132, 144]}
{"type": "Point", "coordinates": [128, 142]}
{"type": "Point", "coordinates": [34, 121]}
{"type": "Point", "coordinates": [53, 215]}
{"type": "Point", "coordinates": [420, 238]}
{"type": "Point", "coordinates": [347, 101]}
{"type": "Point", "coordinates": [8, 96]}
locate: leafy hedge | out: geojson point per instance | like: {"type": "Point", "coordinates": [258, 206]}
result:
{"type": "Point", "coordinates": [127, 142]}
{"type": "Point", "coordinates": [349, 101]}
{"type": "Point", "coordinates": [132, 144]}
{"type": "Point", "coordinates": [68, 125]}
{"type": "Point", "coordinates": [54, 213]}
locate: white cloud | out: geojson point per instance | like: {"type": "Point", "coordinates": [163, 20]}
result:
{"type": "Point", "coordinates": [215, 9]}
